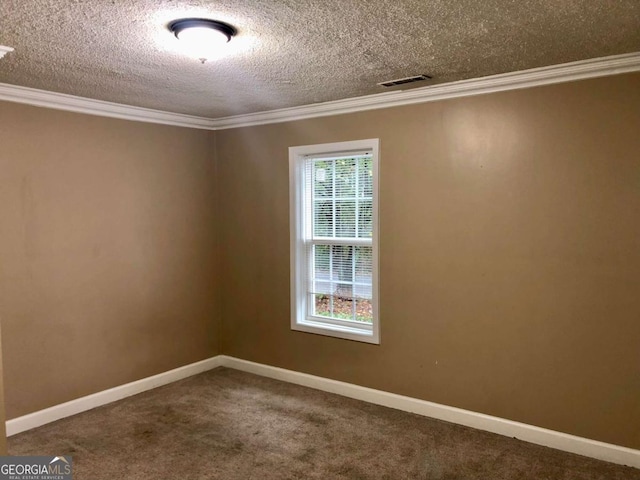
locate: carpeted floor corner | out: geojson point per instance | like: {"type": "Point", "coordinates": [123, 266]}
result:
{"type": "Point", "coordinates": [229, 425]}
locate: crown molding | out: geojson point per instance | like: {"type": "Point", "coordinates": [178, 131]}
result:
{"type": "Point", "coordinates": [71, 103]}
{"type": "Point", "coordinates": [566, 72]}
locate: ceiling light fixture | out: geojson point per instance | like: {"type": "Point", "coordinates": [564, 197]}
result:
{"type": "Point", "coordinates": [4, 50]}
{"type": "Point", "coordinates": [202, 37]}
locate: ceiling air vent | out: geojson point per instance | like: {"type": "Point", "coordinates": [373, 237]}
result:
{"type": "Point", "coordinates": [402, 81]}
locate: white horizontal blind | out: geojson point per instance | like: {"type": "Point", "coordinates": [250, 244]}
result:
{"type": "Point", "coordinates": [339, 237]}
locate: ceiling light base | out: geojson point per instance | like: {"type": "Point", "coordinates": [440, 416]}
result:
{"type": "Point", "coordinates": [183, 24]}
{"type": "Point", "coordinates": [202, 38]}
{"type": "Point", "coordinates": [4, 50]}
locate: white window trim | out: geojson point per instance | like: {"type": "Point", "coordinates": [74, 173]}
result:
{"type": "Point", "coordinates": [299, 320]}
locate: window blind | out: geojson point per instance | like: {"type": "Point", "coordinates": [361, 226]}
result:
{"type": "Point", "coordinates": [338, 236]}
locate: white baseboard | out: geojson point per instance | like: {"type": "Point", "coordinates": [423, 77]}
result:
{"type": "Point", "coordinates": [51, 414]}
{"type": "Point", "coordinates": [528, 433]}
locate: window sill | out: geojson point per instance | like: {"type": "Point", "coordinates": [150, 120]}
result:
{"type": "Point", "coordinates": [347, 332]}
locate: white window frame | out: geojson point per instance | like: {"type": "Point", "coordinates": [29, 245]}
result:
{"type": "Point", "coordinates": [300, 320]}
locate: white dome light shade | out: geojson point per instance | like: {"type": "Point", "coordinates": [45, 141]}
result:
{"type": "Point", "coordinates": [201, 37]}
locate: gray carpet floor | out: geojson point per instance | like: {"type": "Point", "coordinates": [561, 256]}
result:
{"type": "Point", "coordinates": [226, 424]}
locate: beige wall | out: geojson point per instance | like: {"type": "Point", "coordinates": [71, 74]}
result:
{"type": "Point", "coordinates": [107, 252]}
{"type": "Point", "coordinates": [509, 254]}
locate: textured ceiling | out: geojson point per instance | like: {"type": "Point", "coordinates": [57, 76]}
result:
{"type": "Point", "coordinates": [295, 52]}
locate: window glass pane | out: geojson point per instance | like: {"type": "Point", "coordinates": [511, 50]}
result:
{"type": "Point", "coordinates": [342, 271]}
{"type": "Point", "coordinates": [321, 261]}
{"type": "Point", "coordinates": [323, 305]}
{"type": "Point", "coordinates": [342, 197]}
{"type": "Point", "coordinates": [365, 177]}
{"type": "Point", "coordinates": [343, 308]}
{"type": "Point", "coordinates": [363, 272]}
{"type": "Point", "coordinates": [323, 178]}
{"type": "Point", "coordinates": [345, 172]}
{"type": "Point", "coordinates": [363, 284]}
{"type": "Point", "coordinates": [323, 218]}
{"type": "Point", "coordinates": [342, 282]}
{"type": "Point", "coordinates": [322, 269]}
{"type": "Point", "coordinates": [365, 219]}
{"type": "Point", "coordinates": [345, 218]}
{"type": "Point", "coordinates": [364, 310]}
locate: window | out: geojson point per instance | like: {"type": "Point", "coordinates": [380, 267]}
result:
{"type": "Point", "coordinates": [334, 247]}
